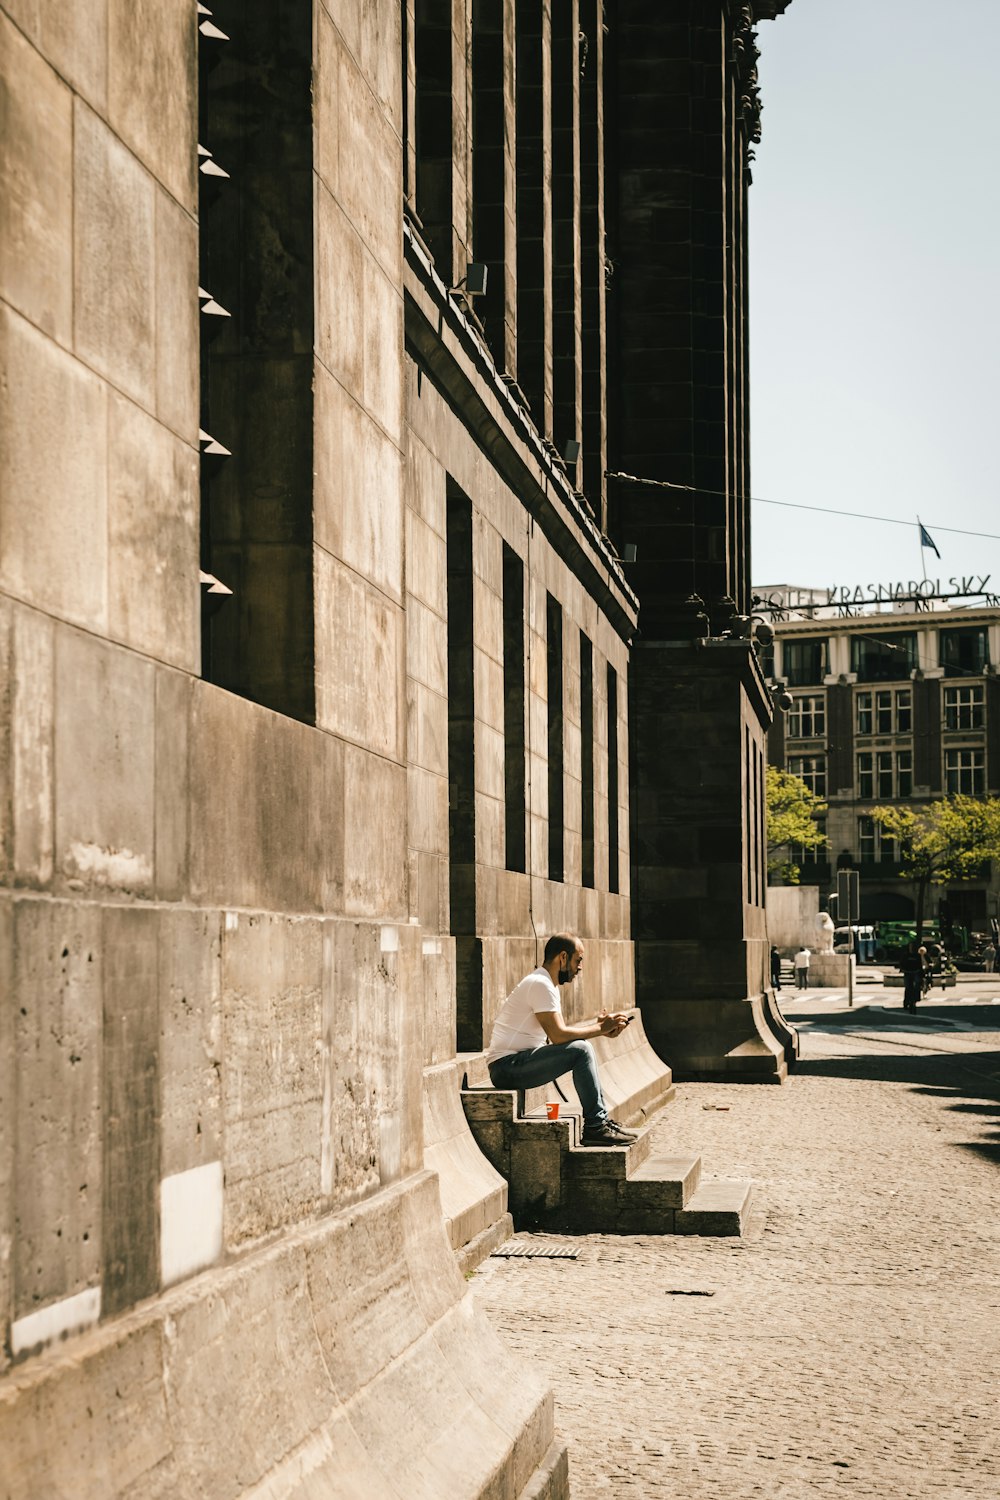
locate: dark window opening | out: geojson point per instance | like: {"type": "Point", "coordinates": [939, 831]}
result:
{"type": "Point", "coordinates": [613, 873]}
{"type": "Point", "coordinates": [534, 208]}
{"type": "Point", "coordinates": [462, 771]}
{"type": "Point", "coordinates": [255, 121]}
{"type": "Point", "coordinates": [883, 658]}
{"type": "Point", "coordinates": [592, 253]}
{"type": "Point", "coordinates": [804, 663]}
{"type": "Point", "coordinates": [964, 653]}
{"type": "Point", "coordinates": [488, 167]}
{"type": "Point", "coordinates": [587, 757]}
{"type": "Point", "coordinates": [554, 655]}
{"type": "Point", "coordinates": [565, 231]}
{"type": "Point", "coordinates": [433, 128]}
{"type": "Point", "coordinates": [513, 709]}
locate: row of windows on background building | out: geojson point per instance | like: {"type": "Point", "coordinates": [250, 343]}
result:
{"type": "Point", "coordinates": [962, 652]}
{"type": "Point", "coordinates": [887, 711]}
{"type": "Point", "coordinates": [884, 775]}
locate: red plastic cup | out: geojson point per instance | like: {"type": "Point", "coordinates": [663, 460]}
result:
{"type": "Point", "coordinates": [552, 1110]}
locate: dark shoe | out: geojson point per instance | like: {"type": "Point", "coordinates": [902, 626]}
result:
{"type": "Point", "coordinates": [610, 1133]}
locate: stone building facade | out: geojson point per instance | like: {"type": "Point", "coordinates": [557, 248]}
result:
{"type": "Point", "coordinates": [271, 857]}
{"type": "Point", "coordinates": [896, 706]}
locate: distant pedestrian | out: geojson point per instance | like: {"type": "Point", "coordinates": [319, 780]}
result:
{"type": "Point", "coordinates": [990, 957]}
{"type": "Point", "coordinates": [912, 965]}
{"type": "Point", "coordinates": [801, 962]}
{"type": "Point", "coordinates": [775, 969]}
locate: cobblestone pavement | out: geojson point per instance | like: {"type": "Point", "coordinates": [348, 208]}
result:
{"type": "Point", "coordinates": [848, 1345]}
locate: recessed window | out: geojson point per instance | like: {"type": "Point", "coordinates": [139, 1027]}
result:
{"type": "Point", "coordinates": [885, 774]}
{"type": "Point", "coordinates": [883, 658]}
{"type": "Point", "coordinates": [965, 707]}
{"type": "Point", "coordinates": [887, 711]}
{"type": "Point", "coordinates": [965, 772]}
{"type": "Point", "coordinates": [965, 652]}
{"type": "Point", "coordinates": [875, 846]}
{"type": "Point", "coordinates": [807, 717]}
{"type": "Point", "coordinates": [804, 662]}
{"type": "Point", "coordinates": [812, 770]}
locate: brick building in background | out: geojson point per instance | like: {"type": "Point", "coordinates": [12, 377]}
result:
{"type": "Point", "coordinates": [271, 858]}
{"type": "Point", "coordinates": [899, 706]}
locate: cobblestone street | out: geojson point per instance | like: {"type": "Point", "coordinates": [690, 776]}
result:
{"type": "Point", "coordinates": [848, 1345]}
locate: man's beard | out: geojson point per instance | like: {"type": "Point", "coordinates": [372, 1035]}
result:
{"type": "Point", "coordinates": [565, 976]}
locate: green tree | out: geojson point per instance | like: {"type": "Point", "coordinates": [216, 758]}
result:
{"type": "Point", "coordinates": [793, 812]}
{"type": "Point", "coordinates": [943, 841]}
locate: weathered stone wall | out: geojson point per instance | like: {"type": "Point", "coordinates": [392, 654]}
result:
{"type": "Point", "coordinates": [227, 930]}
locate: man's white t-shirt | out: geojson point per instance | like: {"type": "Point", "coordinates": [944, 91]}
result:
{"type": "Point", "coordinates": [801, 960]}
{"type": "Point", "coordinates": [517, 1028]}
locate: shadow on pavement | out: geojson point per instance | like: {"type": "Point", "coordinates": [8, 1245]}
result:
{"type": "Point", "coordinates": [957, 1080]}
{"type": "Point", "coordinates": [871, 1014]}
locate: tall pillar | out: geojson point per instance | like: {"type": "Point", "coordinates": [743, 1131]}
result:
{"type": "Point", "coordinates": [685, 112]}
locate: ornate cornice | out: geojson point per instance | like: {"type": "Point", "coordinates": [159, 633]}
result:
{"type": "Point", "coordinates": [745, 53]}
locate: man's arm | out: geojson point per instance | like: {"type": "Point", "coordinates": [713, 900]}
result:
{"type": "Point", "coordinates": [557, 1030]}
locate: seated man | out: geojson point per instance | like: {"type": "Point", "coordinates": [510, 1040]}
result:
{"type": "Point", "coordinates": [532, 1044]}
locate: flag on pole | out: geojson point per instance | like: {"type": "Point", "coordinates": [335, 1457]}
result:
{"type": "Point", "coordinates": [926, 540]}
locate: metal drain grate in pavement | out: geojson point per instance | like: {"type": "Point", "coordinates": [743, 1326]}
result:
{"type": "Point", "coordinates": [525, 1250]}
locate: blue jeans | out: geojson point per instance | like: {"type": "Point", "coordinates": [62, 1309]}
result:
{"type": "Point", "coordinates": [538, 1065]}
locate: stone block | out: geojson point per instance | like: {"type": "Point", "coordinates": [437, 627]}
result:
{"type": "Point", "coordinates": [110, 1398]}
{"type": "Point", "coordinates": [359, 660]}
{"type": "Point", "coordinates": [383, 349]}
{"type": "Point", "coordinates": [426, 485]}
{"type": "Point", "coordinates": [439, 999]}
{"type": "Point", "coordinates": [154, 109]}
{"type": "Point", "coordinates": [535, 1175]}
{"type": "Point", "coordinates": [32, 686]}
{"type": "Point", "coordinates": [374, 835]}
{"type": "Point", "coordinates": [153, 603]}
{"type": "Point", "coordinates": [114, 260]}
{"type": "Point", "coordinates": [326, 84]}
{"type": "Point", "coordinates": [426, 565]}
{"type": "Point", "coordinates": [490, 752]}
{"type": "Point", "coordinates": [8, 1117]}
{"type": "Point", "coordinates": [359, 1284]}
{"type": "Point", "coordinates": [56, 1008]}
{"type": "Point", "coordinates": [131, 1107]}
{"type": "Point", "coordinates": [177, 314]}
{"type": "Point", "coordinates": [36, 187]}
{"type": "Point", "coordinates": [427, 728]}
{"type": "Point", "coordinates": [73, 38]}
{"type": "Point", "coordinates": [190, 1010]}
{"type": "Point", "coordinates": [372, 1023]}
{"type": "Point", "coordinates": [267, 808]}
{"type": "Point", "coordinates": [426, 646]}
{"type": "Point", "coordinates": [53, 501]}
{"type": "Point", "coordinates": [219, 1369]}
{"type": "Point", "coordinates": [371, 167]}
{"type": "Point", "coordinates": [428, 809]}
{"type": "Point", "coordinates": [340, 295]}
{"type": "Point", "coordinates": [272, 1087]}
{"type": "Point", "coordinates": [173, 693]}
{"type": "Point", "coordinates": [104, 762]}
{"type": "Point", "coordinates": [7, 611]}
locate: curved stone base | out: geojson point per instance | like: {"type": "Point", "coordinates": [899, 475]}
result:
{"type": "Point", "coordinates": [345, 1362]}
{"type": "Point", "coordinates": [729, 1041]}
{"type": "Point", "coordinates": [473, 1194]}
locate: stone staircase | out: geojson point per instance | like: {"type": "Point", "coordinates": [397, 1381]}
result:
{"type": "Point", "coordinates": [556, 1184]}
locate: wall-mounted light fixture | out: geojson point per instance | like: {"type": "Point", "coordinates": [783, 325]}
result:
{"type": "Point", "coordinates": [473, 283]}
{"type": "Point", "coordinates": [571, 450]}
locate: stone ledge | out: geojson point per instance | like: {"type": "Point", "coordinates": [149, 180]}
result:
{"type": "Point", "coordinates": [378, 1376]}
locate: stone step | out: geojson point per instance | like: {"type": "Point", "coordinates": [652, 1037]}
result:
{"type": "Point", "coordinates": [664, 1182]}
{"type": "Point", "coordinates": [721, 1206]}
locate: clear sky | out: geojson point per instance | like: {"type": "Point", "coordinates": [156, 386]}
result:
{"type": "Point", "coordinates": [875, 289]}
